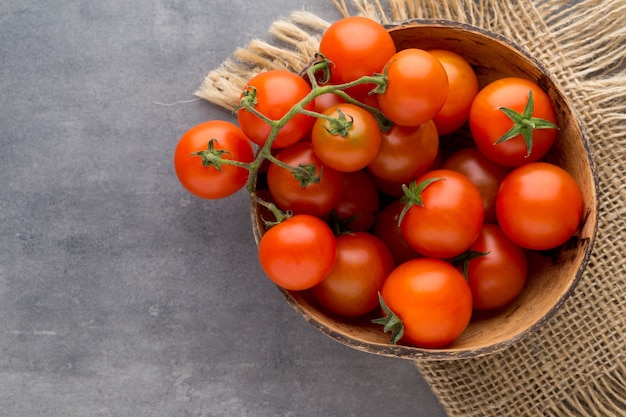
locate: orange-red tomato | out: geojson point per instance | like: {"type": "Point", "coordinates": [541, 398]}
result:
{"type": "Point", "coordinates": [298, 253]}
{"type": "Point", "coordinates": [539, 206]}
{"type": "Point", "coordinates": [207, 181]}
{"type": "Point", "coordinates": [417, 88]}
{"type": "Point", "coordinates": [431, 298]}
{"type": "Point", "coordinates": [351, 288]}
{"type": "Point", "coordinates": [463, 87]}
{"type": "Point", "coordinates": [359, 202]}
{"type": "Point", "coordinates": [277, 91]}
{"type": "Point", "coordinates": [387, 230]}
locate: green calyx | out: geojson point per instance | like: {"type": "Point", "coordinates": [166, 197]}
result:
{"type": "Point", "coordinates": [391, 322]}
{"type": "Point", "coordinates": [464, 259]}
{"type": "Point", "coordinates": [212, 157]}
{"type": "Point", "coordinates": [340, 125]}
{"type": "Point", "coordinates": [524, 124]}
{"type": "Point", "coordinates": [413, 195]}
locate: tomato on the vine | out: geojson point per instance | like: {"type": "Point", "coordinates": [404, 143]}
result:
{"type": "Point", "coordinates": [323, 185]}
{"type": "Point", "coordinates": [443, 214]}
{"type": "Point", "coordinates": [405, 152]}
{"type": "Point", "coordinates": [351, 288]}
{"type": "Point", "coordinates": [273, 94]}
{"type": "Point", "coordinates": [499, 275]}
{"type": "Point", "coordinates": [347, 138]}
{"type": "Point", "coordinates": [495, 133]}
{"type": "Point", "coordinates": [539, 205]}
{"type": "Point", "coordinates": [359, 202]}
{"type": "Point", "coordinates": [432, 300]}
{"type": "Point", "coordinates": [484, 173]}
{"type": "Point", "coordinates": [207, 179]}
{"type": "Point", "coordinates": [463, 87]}
{"type": "Point", "coordinates": [298, 253]}
{"type": "Point", "coordinates": [417, 87]}
{"type": "Point", "coordinates": [356, 46]}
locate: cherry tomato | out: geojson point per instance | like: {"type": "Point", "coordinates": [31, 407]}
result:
{"type": "Point", "coordinates": [357, 46]}
{"type": "Point", "coordinates": [539, 206]}
{"type": "Point", "coordinates": [463, 87]}
{"type": "Point", "coordinates": [488, 123]}
{"type": "Point", "coordinates": [326, 101]}
{"type": "Point", "coordinates": [484, 173]}
{"type": "Point", "coordinates": [298, 253]}
{"type": "Point", "coordinates": [417, 88]}
{"type": "Point", "coordinates": [386, 229]}
{"type": "Point", "coordinates": [316, 198]}
{"type": "Point", "coordinates": [352, 286]}
{"type": "Point", "coordinates": [206, 180]}
{"type": "Point", "coordinates": [350, 141]}
{"type": "Point", "coordinates": [359, 202]}
{"type": "Point", "coordinates": [496, 278]}
{"type": "Point", "coordinates": [277, 91]}
{"type": "Point", "coordinates": [406, 152]}
{"type": "Point", "coordinates": [450, 216]}
{"type": "Point", "coordinates": [432, 300]}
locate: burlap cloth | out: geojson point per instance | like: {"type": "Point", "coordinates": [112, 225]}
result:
{"type": "Point", "coordinates": [574, 366]}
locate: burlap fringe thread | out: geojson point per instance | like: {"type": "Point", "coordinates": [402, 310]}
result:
{"type": "Point", "coordinates": [575, 365]}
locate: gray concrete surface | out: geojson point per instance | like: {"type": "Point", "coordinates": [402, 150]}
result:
{"type": "Point", "coordinates": [120, 294]}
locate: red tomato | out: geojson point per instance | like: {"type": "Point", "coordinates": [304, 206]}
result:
{"type": "Point", "coordinates": [205, 180]}
{"type": "Point", "coordinates": [432, 300]}
{"type": "Point", "coordinates": [359, 201]}
{"type": "Point", "coordinates": [386, 229]}
{"type": "Point", "coordinates": [539, 206]}
{"type": "Point", "coordinates": [317, 198]}
{"type": "Point", "coordinates": [277, 91]}
{"type": "Point", "coordinates": [417, 88]}
{"type": "Point", "coordinates": [357, 46]}
{"type": "Point", "coordinates": [326, 101]}
{"type": "Point", "coordinates": [298, 253]}
{"type": "Point", "coordinates": [362, 265]}
{"type": "Point", "coordinates": [499, 276]}
{"type": "Point", "coordinates": [450, 217]}
{"type": "Point", "coordinates": [488, 123]}
{"type": "Point", "coordinates": [484, 173]}
{"type": "Point", "coordinates": [405, 153]}
{"type": "Point", "coordinates": [348, 143]}
{"type": "Point", "coordinates": [463, 87]}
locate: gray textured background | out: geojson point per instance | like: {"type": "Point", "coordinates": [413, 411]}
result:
{"type": "Point", "coordinates": [121, 294]}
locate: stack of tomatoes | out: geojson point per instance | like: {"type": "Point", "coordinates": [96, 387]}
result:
{"type": "Point", "coordinates": [396, 217]}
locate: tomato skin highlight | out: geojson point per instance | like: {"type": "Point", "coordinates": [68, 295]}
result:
{"type": "Point", "coordinates": [317, 199]}
{"type": "Point", "coordinates": [277, 91]}
{"type": "Point", "coordinates": [463, 88]}
{"type": "Point", "coordinates": [539, 206]}
{"type": "Point", "coordinates": [450, 219]}
{"type": "Point", "coordinates": [207, 181]}
{"type": "Point", "coordinates": [362, 265]}
{"type": "Point", "coordinates": [432, 299]}
{"type": "Point", "coordinates": [417, 87]}
{"type": "Point", "coordinates": [298, 253]}
{"type": "Point", "coordinates": [488, 123]}
{"type": "Point", "coordinates": [356, 149]}
{"type": "Point", "coordinates": [496, 278]}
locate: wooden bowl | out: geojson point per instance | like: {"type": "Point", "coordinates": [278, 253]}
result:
{"type": "Point", "coordinates": [552, 275]}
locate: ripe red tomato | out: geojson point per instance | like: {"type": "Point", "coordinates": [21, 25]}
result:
{"type": "Point", "coordinates": [417, 88]}
{"type": "Point", "coordinates": [298, 253]}
{"type": "Point", "coordinates": [449, 218]}
{"type": "Point", "coordinates": [351, 288]}
{"type": "Point", "coordinates": [496, 278]}
{"type": "Point", "coordinates": [317, 198]}
{"type": "Point", "coordinates": [206, 180]}
{"type": "Point", "coordinates": [463, 87]}
{"type": "Point", "coordinates": [277, 91]}
{"type": "Point", "coordinates": [488, 123]}
{"type": "Point", "coordinates": [348, 143]}
{"type": "Point", "coordinates": [432, 300]}
{"type": "Point", "coordinates": [484, 173]}
{"type": "Point", "coordinates": [405, 153]}
{"type": "Point", "coordinates": [357, 46]}
{"type": "Point", "coordinates": [386, 229]}
{"type": "Point", "coordinates": [539, 206]}
{"type": "Point", "coordinates": [359, 202]}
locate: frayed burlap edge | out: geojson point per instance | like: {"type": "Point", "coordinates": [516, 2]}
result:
{"type": "Point", "coordinates": [574, 366]}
